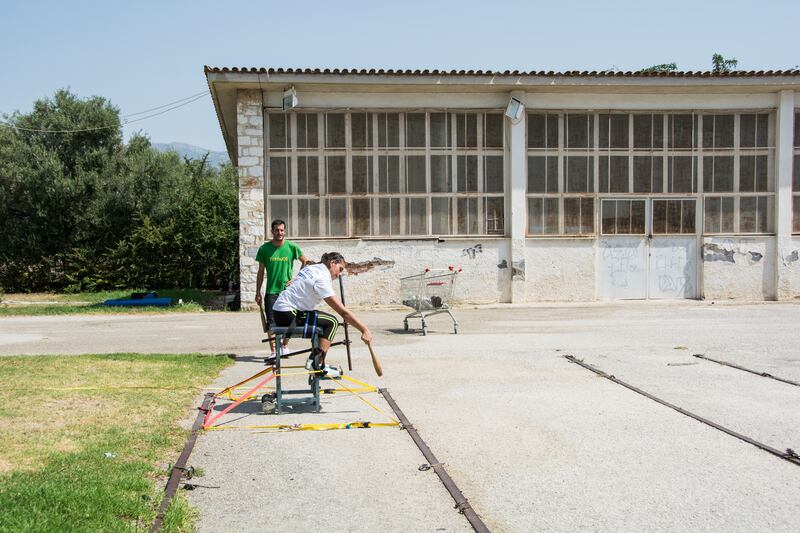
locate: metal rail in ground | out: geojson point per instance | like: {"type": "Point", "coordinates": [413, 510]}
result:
{"type": "Point", "coordinates": [756, 372]}
{"type": "Point", "coordinates": [789, 455]}
{"type": "Point", "coordinates": [180, 466]}
{"type": "Point", "coordinates": [462, 504]}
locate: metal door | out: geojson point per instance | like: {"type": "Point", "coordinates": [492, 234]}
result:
{"type": "Point", "coordinates": [647, 248]}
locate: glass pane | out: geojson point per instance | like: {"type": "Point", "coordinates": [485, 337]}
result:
{"type": "Point", "coordinates": [440, 130]}
{"type": "Point", "coordinates": [467, 173]}
{"type": "Point", "coordinates": [361, 126]}
{"type": "Point", "coordinates": [307, 175]}
{"type": "Point", "coordinates": [362, 217]}
{"type": "Point", "coordinates": [572, 216]}
{"type": "Point", "coordinates": [718, 174]}
{"type": "Point", "coordinates": [334, 130]}
{"type": "Point", "coordinates": [415, 130]}
{"type": "Point", "coordinates": [279, 210]}
{"type": "Point", "coordinates": [747, 131]}
{"type": "Point", "coordinates": [542, 216]}
{"type": "Point", "coordinates": [493, 132]}
{"type": "Point", "coordinates": [642, 131]}
{"type": "Point", "coordinates": [681, 130]}
{"type": "Point", "coordinates": [415, 173]}
{"type": "Point", "coordinates": [337, 217]}
{"type": "Point", "coordinates": [613, 131]}
{"type": "Point", "coordinates": [747, 214]}
{"type": "Point", "coordinates": [608, 217]}
{"type": "Point", "coordinates": [279, 175]}
{"type": "Point", "coordinates": [579, 131]}
{"type": "Point", "coordinates": [388, 173]}
{"type": "Point", "coordinates": [688, 216]}
{"type": "Point", "coordinates": [467, 130]}
{"type": "Point", "coordinates": [681, 174]}
{"type": "Point", "coordinates": [648, 174]}
{"type": "Point", "coordinates": [719, 214]}
{"type": "Point", "coordinates": [718, 131]}
{"type": "Point", "coordinates": [494, 216]}
{"type": "Point", "coordinates": [278, 131]}
{"type": "Point", "coordinates": [618, 173]}
{"type": "Point", "coordinates": [362, 174]}
{"type": "Point", "coordinates": [537, 132]}
{"type": "Point", "coordinates": [659, 217]}
{"type": "Point", "coordinates": [388, 130]}
{"type": "Point", "coordinates": [762, 130]}
{"type": "Point", "coordinates": [673, 216]}
{"type": "Point", "coordinates": [579, 171]}
{"type": "Point", "coordinates": [637, 217]}
{"type": "Point", "coordinates": [308, 218]}
{"type": "Point", "coordinates": [467, 217]}
{"type": "Point", "coordinates": [796, 174]}
{"type": "Point", "coordinates": [388, 216]}
{"type": "Point", "coordinates": [417, 216]}
{"type": "Point", "coordinates": [441, 209]}
{"type": "Point", "coordinates": [335, 174]}
{"type": "Point", "coordinates": [796, 211]}
{"type": "Point", "coordinates": [307, 135]}
{"type": "Point", "coordinates": [440, 173]}
{"type": "Point", "coordinates": [543, 174]}
{"type": "Point", "coordinates": [493, 177]}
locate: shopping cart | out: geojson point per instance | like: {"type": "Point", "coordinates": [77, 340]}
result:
{"type": "Point", "coordinates": [429, 294]}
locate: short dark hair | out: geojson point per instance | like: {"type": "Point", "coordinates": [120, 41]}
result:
{"type": "Point", "coordinates": [332, 257]}
{"type": "Point", "coordinates": [277, 222]}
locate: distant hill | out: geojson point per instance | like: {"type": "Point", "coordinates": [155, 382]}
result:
{"type": "Point", "coordinates": [193, 152]}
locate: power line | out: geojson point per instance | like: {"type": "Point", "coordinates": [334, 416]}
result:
{"type": "Point", "coordinates": [183, 101]}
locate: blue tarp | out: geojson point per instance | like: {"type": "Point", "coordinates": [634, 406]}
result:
{"type": "Point", "coordinates": [139, 300]}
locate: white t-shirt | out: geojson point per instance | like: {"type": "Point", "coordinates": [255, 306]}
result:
{"type": "Point", "coordinates": [312, 285]}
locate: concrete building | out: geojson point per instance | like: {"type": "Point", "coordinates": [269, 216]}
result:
{"type": "Point", "coordinates": [602, 185]}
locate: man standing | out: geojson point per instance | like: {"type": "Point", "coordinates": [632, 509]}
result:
{"type": "Point", "coordinates": [277, 257]}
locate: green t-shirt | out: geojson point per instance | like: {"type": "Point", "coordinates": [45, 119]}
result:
{"type": "Point", "coordinates": [279, 264]}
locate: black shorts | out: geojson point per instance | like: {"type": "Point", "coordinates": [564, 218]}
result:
{"type": "Point", "coordinates": [269, 302]}
{"type": "Point", "coordinates": [308, 319]}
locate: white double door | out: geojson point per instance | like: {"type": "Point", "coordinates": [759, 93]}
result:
{"type": "Point", "coordinates": [647, 248]}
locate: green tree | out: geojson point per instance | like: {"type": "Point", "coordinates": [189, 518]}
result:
{"type": "Point", "coordinates": [664, 67]}
{"type": "Point", "coordinates": [720, 65]}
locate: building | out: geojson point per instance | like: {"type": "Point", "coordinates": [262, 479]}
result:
{"type": "Point", "coordinates": [600, 185]}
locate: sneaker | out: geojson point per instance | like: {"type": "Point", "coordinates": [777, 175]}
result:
{"type": "Point", "coordinates": [310, 363]}
{"type": "Point", "coordinates": [271, 359]}
{"type": "Point", "coordinates": [331, 372]}
{"type": "Point", "coordinates": [286, 351]}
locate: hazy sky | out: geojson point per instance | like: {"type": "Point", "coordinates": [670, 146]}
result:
{"type": "Point", "coordinates": [142, 54]}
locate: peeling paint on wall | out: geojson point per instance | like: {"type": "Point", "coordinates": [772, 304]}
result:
{"type": "Point", "coordinates": [360, 268]}
{"type": "Point", "coordinates": [472, 251]}
{"type": "Point", "coordinates": [714, 252]}
{"type": "Point", "coordinates": [518, 270]}
{"type": "Point", "coordinates": [755, 256]}
{"type": "Point", "coordinates": [793, 257]}
{"type": "Point", "coordinates": [503, 264]}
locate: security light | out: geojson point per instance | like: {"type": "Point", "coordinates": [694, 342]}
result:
{"type": "Point", "coordinates": [514, 109]}
{"type": "Point", "coordinates": [289, 99]}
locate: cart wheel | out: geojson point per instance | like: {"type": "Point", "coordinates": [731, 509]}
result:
{"type": "Point", "coordinates": [405, 326]}
{"type": "Point", "coordinates": [268, 403]}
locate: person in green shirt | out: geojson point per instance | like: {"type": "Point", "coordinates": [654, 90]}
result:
{"type": "Point", "coordinates": [277, 258]}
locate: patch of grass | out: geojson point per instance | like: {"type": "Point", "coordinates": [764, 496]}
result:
{"type": "Point", "coordinates": [194, 300]}
{"type": "Point", "coordinates": [82, 438]}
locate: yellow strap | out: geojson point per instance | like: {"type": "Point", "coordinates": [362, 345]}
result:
{"type": "Point", "coordinates": [354, 393]}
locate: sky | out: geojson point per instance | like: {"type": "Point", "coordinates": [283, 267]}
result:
{"type": "Point", "coordinates": [143, 54]}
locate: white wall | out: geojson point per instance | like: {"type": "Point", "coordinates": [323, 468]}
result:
{"type": "Point", "coordinates": [739, 267]}
{"type": "Point", "coordinates": [560, 270]}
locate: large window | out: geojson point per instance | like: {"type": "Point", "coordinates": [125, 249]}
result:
{"type": "Point", "coordinates": [343, 174]}
{"type": "Point", "coordinates": [574, 159]}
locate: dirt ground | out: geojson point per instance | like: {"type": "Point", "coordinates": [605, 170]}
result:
{"type": "Point", "coordinates": [535, 442]}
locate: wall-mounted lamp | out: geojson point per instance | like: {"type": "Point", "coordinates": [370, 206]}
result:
{"type": "Point", "coordinates": [514, 109]}
{"type": "Point", "coordinates": [289, 99]}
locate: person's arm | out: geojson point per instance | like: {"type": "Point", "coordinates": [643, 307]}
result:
{"type": "Point", "coordinates": [348, 316]}
{"type": "Point", "coordinates": [259, 282]}
{"type": "Point", "coordinates": [303, 260]}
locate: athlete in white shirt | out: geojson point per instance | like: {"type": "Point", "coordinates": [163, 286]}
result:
{"type": "Point", "coordinates": [297, 305]}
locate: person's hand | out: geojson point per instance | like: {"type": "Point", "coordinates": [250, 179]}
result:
{"type": "Point", "coordinates": [288, 283]}
{"type": "Point", "coordinates": [366, 337]}
{"type": "Point", "coordinates": [258, 299]}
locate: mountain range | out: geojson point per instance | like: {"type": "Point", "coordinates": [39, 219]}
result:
{"type": "Point", "coordinates": [193, 152]}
